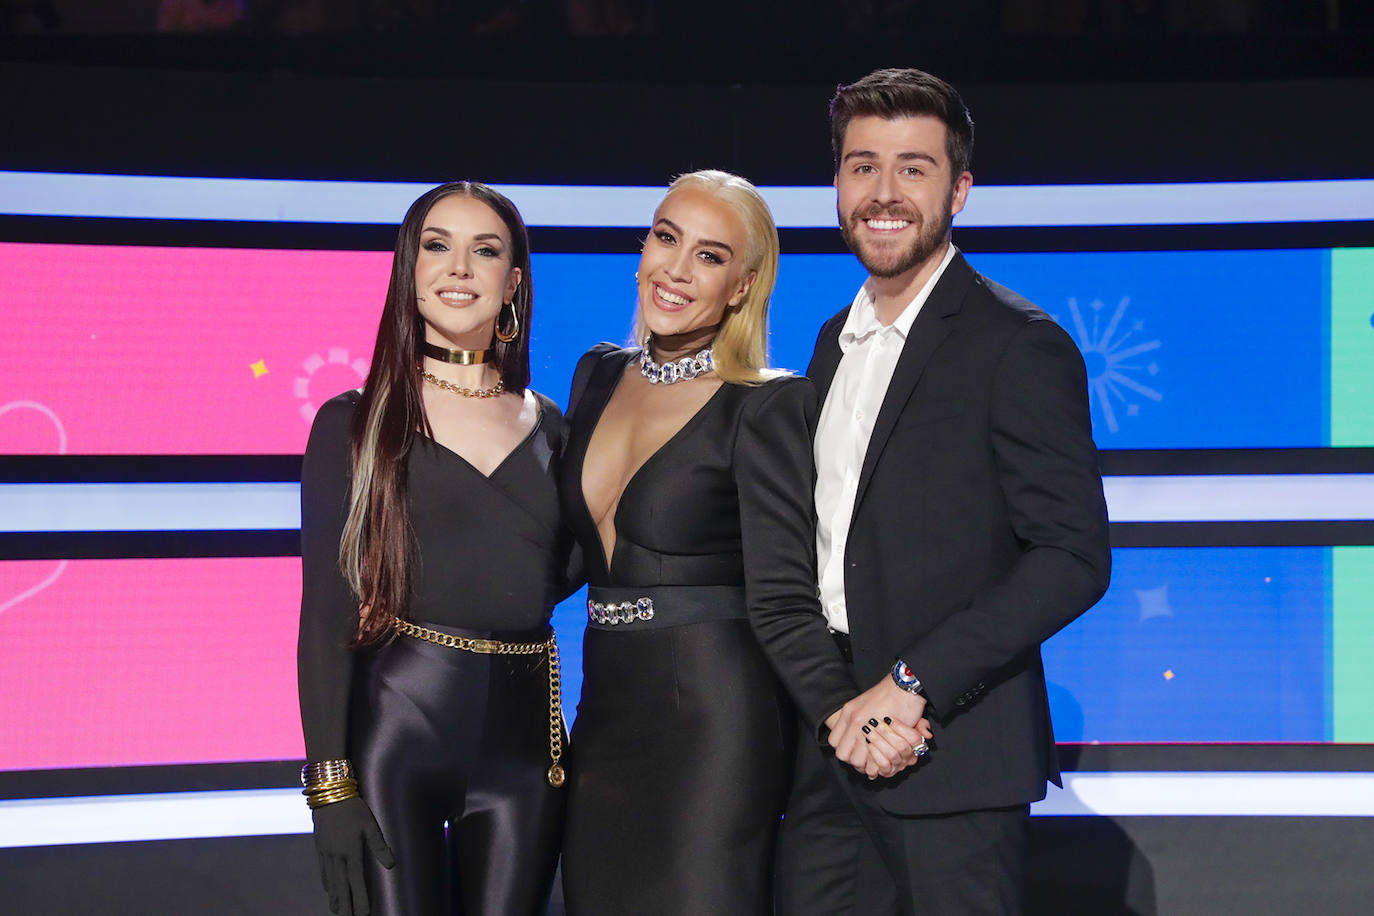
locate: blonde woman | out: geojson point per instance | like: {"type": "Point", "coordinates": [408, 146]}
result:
{"type": "Point", "coordinates": [687, 481]}
{"type": "Point", "coordinates": [432, 558]}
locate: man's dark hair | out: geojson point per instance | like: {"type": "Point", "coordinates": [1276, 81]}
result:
{"type": "Point", "coordinates": [904, 93]}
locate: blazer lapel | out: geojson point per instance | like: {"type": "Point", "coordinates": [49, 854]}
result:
{"type": "Point", "coordinates": [584, 419]}
{"type": "Point", "coordinates": [826, 360]}
{"type": "Point", "coordinates": [928, 331]}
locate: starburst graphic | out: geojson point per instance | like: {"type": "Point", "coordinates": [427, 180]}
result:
{"type": "Point", "coordinates": [1108, 350]}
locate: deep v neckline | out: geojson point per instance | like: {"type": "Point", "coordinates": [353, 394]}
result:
{"type": "Point", "coordinates": [608, 559]}
{"type": "Point", "coordinates": [528, 437]}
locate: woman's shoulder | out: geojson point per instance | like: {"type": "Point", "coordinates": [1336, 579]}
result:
{"type": "Point", "coordinates": [773, 408]}
{"type": "Point", "coordinates": [548, 407]}
{"type": "Point", "coordinates": [779, 386]}
{"type": "Point", "coordinates": [778, 379]}
{"type": "Point", "coordinates": [334, 420]}
{"type": "Point", "coordinates": [605, 347]}
{"type": "Point", "coordinates": [587, 366]}
{"type": "Point", "coordinates": [604, 350]}
{"type": "Point", "coordinates": [342, 403]}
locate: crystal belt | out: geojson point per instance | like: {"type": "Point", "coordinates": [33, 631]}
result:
{"type": "Point", "coordinates": [655, 607]}
{"type": "Point", "coordinates": [615, 612]}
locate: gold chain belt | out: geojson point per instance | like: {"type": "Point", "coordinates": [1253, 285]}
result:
{"type": "Point", "coordinates": [556, 775]}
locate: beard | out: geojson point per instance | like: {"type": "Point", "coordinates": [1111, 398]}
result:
{"type": "Point", "coordinates": [892, 260]}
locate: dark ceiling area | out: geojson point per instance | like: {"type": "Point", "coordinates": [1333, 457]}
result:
{"type": "Point", "coordinates": [614, 92]}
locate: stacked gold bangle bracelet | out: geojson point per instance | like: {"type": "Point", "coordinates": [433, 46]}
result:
{"type": "Point", "coordinates": [327, 782]}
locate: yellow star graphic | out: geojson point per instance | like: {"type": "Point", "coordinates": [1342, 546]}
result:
{"type": "Point", "coordinates": [259, 368]}
{"type": "Point", "coordinates": [1169, 674]}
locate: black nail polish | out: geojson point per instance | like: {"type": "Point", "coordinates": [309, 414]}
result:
{"type": "Point", "coordinates": [866, 730]}
{"type": "Point", "coordinates": [873, 722]}
{"type": "Point", "coordinates": [866, 741]}
{"type": "Point", "coordinates": [887, 719]}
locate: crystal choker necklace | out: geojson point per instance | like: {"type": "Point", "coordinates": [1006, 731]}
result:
{"type": "Point", "coordinates": [679, 370]}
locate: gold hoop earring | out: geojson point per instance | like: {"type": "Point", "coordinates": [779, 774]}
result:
{"type": "Point", "coordinates": [514, 331]}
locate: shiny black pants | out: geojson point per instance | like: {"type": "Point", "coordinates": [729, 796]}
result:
{"type": "Point", "coordinates": [451, 750]}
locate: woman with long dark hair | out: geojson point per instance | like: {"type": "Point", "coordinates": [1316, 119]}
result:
{"type": "Point", "coordinates": [430, 543]}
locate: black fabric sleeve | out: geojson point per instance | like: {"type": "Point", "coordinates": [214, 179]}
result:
{"type": "Point", "coordinates": [568, 551]}
{"type": "Point", "coordinates": [582, 374]}
{"type": "Point", "coordinates": [329, 611]}
{"type": "Point", "coordinates": [1047, 469]}
{"type": "Point", "coordinates": [774, 475]}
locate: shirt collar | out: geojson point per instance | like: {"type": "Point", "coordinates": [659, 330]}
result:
{"type": "Point", "coordinates": [863, 319]}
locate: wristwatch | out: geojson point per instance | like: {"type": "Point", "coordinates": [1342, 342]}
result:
{"type": "Point", "coordinates": [905, 678]}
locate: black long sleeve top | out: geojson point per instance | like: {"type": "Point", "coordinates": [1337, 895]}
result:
{"type": "Point", "coordinates": [489, 552]}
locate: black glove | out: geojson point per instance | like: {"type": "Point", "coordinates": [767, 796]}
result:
{"type": "Point", "coordinates": [346, 831]}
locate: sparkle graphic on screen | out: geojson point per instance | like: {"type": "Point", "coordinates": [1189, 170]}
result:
{"type": "Point", "coordinates": [1169, 674]}
{"type": "Point", "coordinates": [259, 368]}
{"type": "Point", "coordinates": [1154, 602]}
{"type": "Point", "coordinates": [1107, 352]}
{"type": "Point", "coordinates": [338, 356]}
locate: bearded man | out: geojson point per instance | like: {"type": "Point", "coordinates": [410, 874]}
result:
{"type": "Point", "coordinates": [961, 522]}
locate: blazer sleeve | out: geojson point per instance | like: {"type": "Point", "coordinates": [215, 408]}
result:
{"type": "Point", "coordinates": [774, 476]}
{"type": "Point", "coordinates": [329, 611]}
{"type": "Point", "coordinates": [1046, 464]}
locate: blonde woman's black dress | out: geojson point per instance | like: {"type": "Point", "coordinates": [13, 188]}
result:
{"type": "Point", "coordinates": [682, 747]}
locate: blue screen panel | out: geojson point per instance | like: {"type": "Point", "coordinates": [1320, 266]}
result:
{"type": "Point", "coordinates": [1189, 349]}
{"type": "Point", "coordinates": [1198, 644]}
{"type": "Point", "coordinates": [1192, 349]}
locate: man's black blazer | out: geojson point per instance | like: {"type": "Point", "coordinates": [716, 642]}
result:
{"type": "Point", "coordinates": [979, 530]}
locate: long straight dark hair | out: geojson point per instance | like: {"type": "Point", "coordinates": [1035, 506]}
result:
{"type": "Point", "coordinates": [377, 550]}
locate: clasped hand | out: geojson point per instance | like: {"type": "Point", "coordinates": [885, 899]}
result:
{"type": "Point", "coordinates": [878, 731]}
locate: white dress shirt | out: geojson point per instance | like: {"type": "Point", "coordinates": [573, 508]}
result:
{"type": "Point", "coordinates": [871, 350]}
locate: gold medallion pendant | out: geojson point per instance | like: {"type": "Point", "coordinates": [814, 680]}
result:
{"type": "Point", "coordinates": [556, 775]}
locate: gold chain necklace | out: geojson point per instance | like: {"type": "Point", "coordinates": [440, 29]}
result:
{"type": "Point", "coordinates": [446, 385]}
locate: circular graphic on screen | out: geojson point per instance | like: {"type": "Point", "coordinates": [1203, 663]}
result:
{"type": "Point", "coordinates": [30, 424]}
{"type": "Point", "coordinates": [326, 376]}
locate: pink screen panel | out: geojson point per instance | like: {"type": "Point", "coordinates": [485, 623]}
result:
{"type": "Point", "coordinates": [139, 350]}
{"type": "Point", "coordinates": [130, 662]}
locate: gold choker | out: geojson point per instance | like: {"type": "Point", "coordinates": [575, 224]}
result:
{"type": "Point", "coordinates": [457, 357]}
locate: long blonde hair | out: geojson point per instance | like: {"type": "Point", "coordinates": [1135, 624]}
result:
{"type": "Point", "coordinates": [741, 345]}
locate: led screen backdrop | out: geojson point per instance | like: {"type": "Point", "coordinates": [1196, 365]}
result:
{"type": "Point", "coordinates": [122, 662]}
{"type": "Point", "coordinates": [1218, 644]}
{"type": "Point", "coordinates": [129, 662]}
{"type": "Point", "coordinates": [142, 350]}
{"type": "Point", "coordinates": [126, 350]}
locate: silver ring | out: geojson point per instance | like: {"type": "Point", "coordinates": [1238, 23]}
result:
{"type": "Point", "coordinates": [920, 750]}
